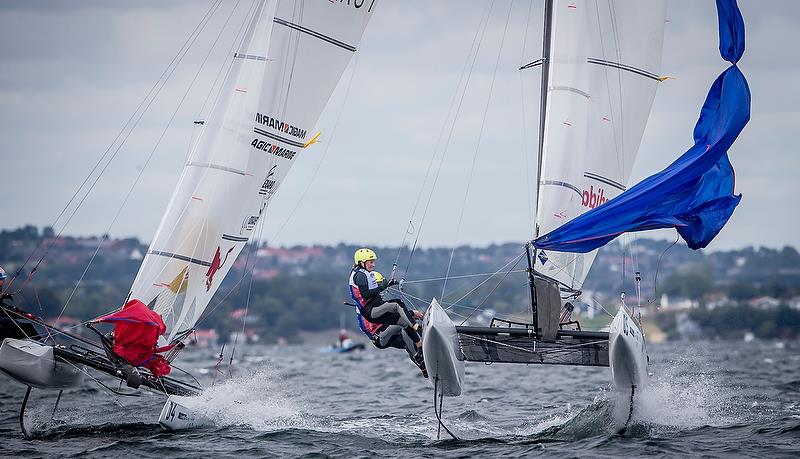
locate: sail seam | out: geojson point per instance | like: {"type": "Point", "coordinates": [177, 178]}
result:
{"type": "Point", "coordinates": [605, 180]}
{"type": "Point", "coordinates": [178, 257]}
{"type": "Point", "coordinates": [564, 184]}
{"type": "Point", "coordinates": [628, 68]}
{"type": "Point", "coordinates": [315, 34]}
{"type": "Point", "coordinates": [571, 89]}
{"type": "Point", "coordinates": [217, 167]}
{"type": "Point", "coordinates": [228, 237]}
{"type": "Point", "coordinates": [291, 142]}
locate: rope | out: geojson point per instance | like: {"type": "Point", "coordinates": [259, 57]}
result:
{"type": "Point", "coordinates": [490, 293]}
{"type": "Point", "coordinates": [334, 130]}
{"type": "Point", "coordinates": [477, 146]}
{"type": "Point", "coordinates": [569, 348]}
{"type": "Point", "coordinates": [658, 266]}
{"type": "Point", "coordinates": [515, 261]}
{"type": "Point", "coordinates": [476, 42]}
{"type": "Point", "coordinates": [105, 153]}
{"type": "Point", "coordinates": [433, 279]}
{"type": "Point", "coordinates": [147, 162]}
{"type": "Point", "coordinates": [531, 212]}
{"type": "Point", "coordinates": [237, 41]}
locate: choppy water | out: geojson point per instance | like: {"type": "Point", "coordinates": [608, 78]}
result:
{"type": "Point", "coordinates": [705, 399]}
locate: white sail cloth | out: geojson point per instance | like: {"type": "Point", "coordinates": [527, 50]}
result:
{"type": "Point", "coordinates": [605, 58]}
{"type": "Point", "coordinates": [292, 57]}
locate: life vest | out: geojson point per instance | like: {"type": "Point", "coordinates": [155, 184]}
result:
{"type": "Point", "coordinates": [369, 328]}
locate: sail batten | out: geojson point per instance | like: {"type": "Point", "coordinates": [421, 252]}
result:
{"type": "Point", "coordinates": [280, 78]}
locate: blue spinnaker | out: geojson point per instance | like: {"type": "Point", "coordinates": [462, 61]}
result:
{"type": "Point", "coordinates": [694, 194]}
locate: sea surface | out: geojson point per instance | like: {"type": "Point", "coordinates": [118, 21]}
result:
{"type": "Point", "coordinates": [705, 399]}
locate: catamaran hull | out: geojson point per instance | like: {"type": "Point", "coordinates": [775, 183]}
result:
{"type": "Point", "coordinates": [35, 365]}
{"type": "Point", "coordinates": [627, 352]}
{"type": "Point", "coordinates": [443, 358]}
{"type": "Point", "coordinates": [181, 413]}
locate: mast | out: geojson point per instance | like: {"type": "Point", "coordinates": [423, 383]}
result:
{"type": "Point", "coordinates": [547, 32]}
{"type": "Point", "coordinates": [546, 40]}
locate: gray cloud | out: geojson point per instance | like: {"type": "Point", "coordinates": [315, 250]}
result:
{"type": "Point", "coordinates": [74, 71]}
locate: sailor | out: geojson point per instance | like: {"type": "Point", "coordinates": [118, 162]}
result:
{"type": "Point", "coordinates": [396, 337]}
{"type": "Point", "coordinates": [376, 315]}
{"type": "Point", "coordinates": [3, 295]}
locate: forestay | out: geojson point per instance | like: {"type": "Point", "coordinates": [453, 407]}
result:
{"type": "Point", "coordinates": [293, 55]}
{"type": "Point", "coordinates": [605, 59]}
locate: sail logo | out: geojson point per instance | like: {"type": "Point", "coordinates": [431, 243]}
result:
{"type": "Point", "coordinates": [250, 222]}
{"type": "Point", "coordinates": [591, 199]}
{"type": "Point", "coordinates": [269, 184]}
{"type": "Point", "coordinates": [356, 3]}
{"type": "Point", "coordinates": [280, 126]}
{"type": "Point", "coordinates": [274, 149]}
{"type": "Point", "coordinates": [216, 263]}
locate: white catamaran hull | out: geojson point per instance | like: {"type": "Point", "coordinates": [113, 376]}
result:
{"type": "Point", "coordinates": [443, 358]}
{"type": "Point", "coordinates": [35, 365]}
{"type": "Point", "coordinates": [627, 353]}
{"type": "Point", "coordinates": [181, 413]}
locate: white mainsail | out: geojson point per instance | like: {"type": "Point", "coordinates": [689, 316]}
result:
{"type": "Point", "coordinates": [292, 57]}
{"type": "Point", "coordinates": [605, 58]}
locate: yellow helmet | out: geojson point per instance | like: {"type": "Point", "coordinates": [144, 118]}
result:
{"type": "Point", "coordinates": [378, 276]}
{"type": "Point", "coordinates": [363, 255]}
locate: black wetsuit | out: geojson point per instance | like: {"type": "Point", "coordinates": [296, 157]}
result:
{"type": "Point", "coordinates": [378, 311]}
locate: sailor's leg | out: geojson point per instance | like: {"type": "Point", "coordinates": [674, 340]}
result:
{"type": "Point", "coordinates": [410, 345]}
{"type": "Point", "coordinates": [385, 336]}
{"type": "Point", "coordinates": [393, 313]}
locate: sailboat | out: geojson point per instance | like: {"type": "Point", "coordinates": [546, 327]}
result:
{"type": "Point", "coordinates": [287, 65]}
{"type": "Point", "coordinates": [600, 70]}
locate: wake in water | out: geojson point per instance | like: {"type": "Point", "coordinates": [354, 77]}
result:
{"type": "Point", "coordinates": [258, 400]}
{"type": "Point", "coordinates": [682, 396]}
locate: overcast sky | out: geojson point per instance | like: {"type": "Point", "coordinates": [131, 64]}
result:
{"type": "Point", "coordinates": [74, 72]}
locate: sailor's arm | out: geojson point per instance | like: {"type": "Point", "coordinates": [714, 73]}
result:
{"type": "Point", "coordinates": [360, 279]}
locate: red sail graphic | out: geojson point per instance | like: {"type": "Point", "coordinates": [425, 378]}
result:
{"type": "Point", "coordinates": [216, 264]}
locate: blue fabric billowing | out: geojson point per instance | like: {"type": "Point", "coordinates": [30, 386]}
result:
{"type": "Point", "coordinates": [694, 194]}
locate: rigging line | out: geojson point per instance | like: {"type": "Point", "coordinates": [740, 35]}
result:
{"type": "Point", "coordinates": [455, 303]}
{"type": "Point", "coordinates": [147, 96]}
{"type": "Point", "coordinates": [568, 349]}
{"type": "Point", "coordinates": [514, 260]}
{"type": "Point", "coordinates": [658, 266]}
{"type": "Point", "coordinates": [254, 248]}
{"type": "Point", "coordinates": [249, 290]}
{"type": "Point", "coordinates": [219, 72]}
{"type": "Point", "coordinates": [428, 300]}
{"type": "Point", "coordinates": [334, 130]}
{"type": "Point", "coordinates": [477, 146]}
{"type": "Point", "coordinates": [135, 182]}
{"type": "Point", "coordinates": [602, 308]}
{"type": "Point", "coordinates": [620, 121]}
{"type": "Point", "coordinates": [452, 128]}
{"type": "Point", "coordinates": [238, 40]}
{"type": "Point", "coordinates": [433, 279]}
{"type": "Point", "coordinates": [185, 95]}
{"type": "Point", "coordinates": [298, 18]}
{"type": "Point", "coordinates": [527, 174]}
{"type": "Point", "coordinates": [438, 143]}
{"type": "Point", "coordinates": [489, 294]}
